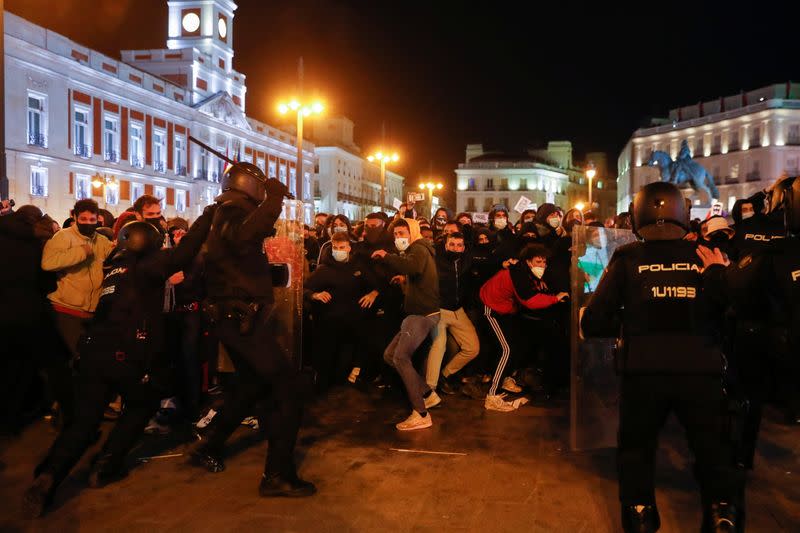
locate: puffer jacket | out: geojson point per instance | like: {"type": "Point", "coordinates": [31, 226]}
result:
{"type": "Point", "coordinates": [79, 275]}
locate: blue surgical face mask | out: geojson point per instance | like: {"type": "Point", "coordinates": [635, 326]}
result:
{"type": "Point", "coordinates": [340, 255]}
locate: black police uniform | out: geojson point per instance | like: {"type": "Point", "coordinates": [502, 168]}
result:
{"type": "Point", "coordinates": [670, 361]}
{"type": "Point", "coordinates": [240, 305]}
{"type": "Point", "coordinates": [121, 353]}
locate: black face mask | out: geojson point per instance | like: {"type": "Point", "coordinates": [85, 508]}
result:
{"type": "Point", "coordinates": [87, 230]}
{"type": "Point", "coordinates": [373, 235]}
{"type": "Point", "coordinates": [452, 256]}
{"type": "Point", "coordinates": [156, 223]}
{"type": "Point", "coordinates": [717, 240]}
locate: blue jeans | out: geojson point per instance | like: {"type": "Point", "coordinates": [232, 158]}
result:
{"type": "Point", "coordinates": [398, 354]}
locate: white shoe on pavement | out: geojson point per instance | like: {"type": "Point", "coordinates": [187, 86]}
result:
{"type": "Point", "coordinates": [415, 421]}
{"type": "Point", "coordinates": [432, 400]}
{"type": "Point", "coordinates": [497, 402]}
{"type": "Point", "coordinates": [510, 385]}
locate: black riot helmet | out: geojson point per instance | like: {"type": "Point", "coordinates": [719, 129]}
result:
{"type": "Point", "coordinates": [139, 238]}
{"type": "Point", "coordinates": [245, 178]}
{"type": "Point", "coordinates": [660, 213]}
{"type": "Point", "coordinates": [786, 195]}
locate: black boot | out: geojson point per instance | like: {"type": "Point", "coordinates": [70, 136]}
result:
{"type": "Point", "coordinates": [105, 471]}
{"type": "Point", "coordinates": [38, 496]}
{"type": "Point", "coordinates": [277, 485]}
{"type": "Point", "coordinates": [640, 519]}
{"type": "Point", "coordinates": [723, 517]}
{"type": "Point", "coordinates": [449, 385]}
{"type": "Point", "coordinates": [212, 461]}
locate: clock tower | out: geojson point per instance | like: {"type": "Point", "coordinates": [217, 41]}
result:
{"type": "Point", "coordinates": [205, 25]}
{"type": "Point", "coordinates": [199, 53]}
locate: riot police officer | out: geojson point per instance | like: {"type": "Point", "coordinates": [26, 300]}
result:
{"type": "Point", "coordinates": [670, 360]}
{"type": "Point", "coordinates": [240, 306]}
{"type": "Point", "coordinates": [766, 284]}
{"type": "Point", "coordinates": [121, 353]}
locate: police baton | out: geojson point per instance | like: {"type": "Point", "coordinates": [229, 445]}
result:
{"type": "Point", "coordinates": [227, 159]}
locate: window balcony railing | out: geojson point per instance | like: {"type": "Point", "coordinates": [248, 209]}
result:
{"type": "Point", "coordinates": [201, 174]}
{"type": "Point", "coordinates": [112, 156]}
{"type": "Point", "coordinates": [180, 171]}
{"type": "Point", "coordinates": [38, 190]}
{"type": "Point", "coordinates": [793, 140]}
{"type": "Point", "coordinates": [83, 150]}
{"type": "Point", "coordinates": [215, 177]}
{"type": "Point", "coordinates": [159, 166]}
{"type": "Point", "coordinates": [37, 139]}
{"type": "Point", "coordinates": [754, 176]}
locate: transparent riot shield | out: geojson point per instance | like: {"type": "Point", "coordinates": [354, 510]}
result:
{"type": "Point", "coordinates": [594, 387]}
{"type": "Point", "coordinates": [287, 257]}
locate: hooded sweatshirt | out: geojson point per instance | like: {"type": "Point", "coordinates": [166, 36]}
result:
{"type": "Point", "coordinates": [418, 265]}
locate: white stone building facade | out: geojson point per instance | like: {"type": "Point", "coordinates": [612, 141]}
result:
{"type": "Point", "coordinates": [745, 141]}
{"type": "Point", "coordinates": [75, 116]}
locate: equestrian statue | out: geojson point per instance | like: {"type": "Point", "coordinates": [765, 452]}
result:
{"type": "Point", "coordinates": [685, 170]}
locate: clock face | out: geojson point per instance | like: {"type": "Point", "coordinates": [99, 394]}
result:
{"type": "Point", "coordinates": [223, 28]}
{"type": "Point", "coordinates": [190, 22]}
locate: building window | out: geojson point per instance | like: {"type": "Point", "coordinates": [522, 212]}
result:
{"type": "Point", "coordinates": [698, 147]}
{"type": "Point", "coordinates": [503, 184]}
{"type": "Point", "coordinates": [180, 155]}
{"type": "Point", "coordinates": [292, 174]}
{"type": "Point", "coordinates": [260, 164]}
{"type": "Point", "coordinates": [717, 177]}
{"type": "Point", "coordinates": [272, 171]}
{"type": "Point", "coordinates": [82, 133]}
{"type": "Point", "coordinates": [38, 181]}
{"type": "Point", "coordinates": [755, 173]}
{"type": "Point", "coordinates": [794, 134]}
{"type": "Point", "coordinates": [160, 192]}
{"type": "Point", "coordinates": [283, 174]}
{"type": "Point", "coordinates": [110, 139]}
{"type": "Point", "coordinates": [716, 146]}
{"type": "Point", "coordinates": [137, 190]}
{"type": "Point", "coordinates": [471, 184]}
{"type": "Point", "coordinates": [217, 174]}
{"type": "Point", "coordinates": [755, 137]}
{"type": "Point", "coordinates": [523, 184]}
{"type": "Point", "coordinates": [489, 184]}
{"type": "Point", "coordinates": [180, 200]}
{"type": "Point", "coordinates": [488, 202]}
{"type": "Point", "coordinates": [112, 193]}
{"type": "Point", "coordinates": [471, 205]}
{"type": "Point", "coordinates": [37, 120]}
{"type": "Point", "coordinates": [734, 175]}
{"type": "Point", "coordinates": [159, 151]}
{"type": "Point", "coordinates": [791, 165]}
{"type": "Point", "coordinates": [83, 189]}
{"type": "Point", "coordinates": [137, 146]}
{"type": "Point", "coordinates": [733, 141]}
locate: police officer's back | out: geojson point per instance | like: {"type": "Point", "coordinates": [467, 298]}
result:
{"type": "Point", "coordinates": [653, 297]}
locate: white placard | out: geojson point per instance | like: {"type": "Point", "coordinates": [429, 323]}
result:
{"type": "Point", "coordinates": [396, 204]}
{"type": "Point", "coordinates": [480, 218]}
{"type": "Point", "coordinates": [416, 197]}
{"type": "Point", "coordinates": [522, 204]}
{"type": "Point", "coordinates": [716, 208]}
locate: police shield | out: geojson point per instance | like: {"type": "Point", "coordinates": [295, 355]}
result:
{"type": "Point", "coordinates": [286, 255]}
{"type": "Point", "coordinates": [594, 385]}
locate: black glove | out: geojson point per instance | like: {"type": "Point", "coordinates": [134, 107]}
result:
{"type": "Point", "coordinates": [276, 188]}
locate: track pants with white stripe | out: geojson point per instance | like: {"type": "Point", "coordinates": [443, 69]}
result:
{"type": "Point", "coordinates": [506, 330]}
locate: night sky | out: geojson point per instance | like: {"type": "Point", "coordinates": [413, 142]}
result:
{"type": "Point", "coordinates": [442, 74]}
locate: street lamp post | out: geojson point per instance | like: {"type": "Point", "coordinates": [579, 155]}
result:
{"type": "Point", "coordinates": [302, 111]}
{"type": "Point", "coordinates": [591, 172]}
{"type": "Point", "coordinates": [383, 159]}
{"type": "Point", "coordinates": [431, 187]}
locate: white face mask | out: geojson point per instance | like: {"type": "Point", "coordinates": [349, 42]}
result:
{"type": "Point", "coordinates": [340, 255]}
{"type": "Point", "coordinates": [745, 216]}
{"type": "Point", "coordinates": [401, 243]}
{"type": "Point", "coordinates": [339, 229]}
{"type": "Point", "coordinates": [538, 271]}
{"type": "Point", "coordinates": [500, 223]}
{"type": "Point", "coordinates": [554, 222]}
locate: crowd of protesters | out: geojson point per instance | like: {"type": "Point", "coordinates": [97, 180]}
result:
{"type": "Point", "coordinates": [431, 308]}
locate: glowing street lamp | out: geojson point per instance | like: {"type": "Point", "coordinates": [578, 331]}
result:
{"type": "Point", "coordinates": [383, 159]}
{"type": "Point", "coordinates": [302, 111]}
{"type": "Point", "coordinates": [591, 172]}
{"type": "Point", "coordinates": [105, 182]}
{"type": "Point", "coordinates": [431, 186]}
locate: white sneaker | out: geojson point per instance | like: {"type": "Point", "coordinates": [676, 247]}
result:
{"type": "Point", "coordinates": [432, 400]}
{"type": "Point", "coordinates": [206, 420]}
{"type": "Point", "coordinates": [496, 402]}
{"type": "Point", "coordinates": [510, 385]}
{"type": "Point", "coordinates": [415, 421]}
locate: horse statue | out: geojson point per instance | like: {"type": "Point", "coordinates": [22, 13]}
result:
{"type": "Point", "coordinates": [684, 170]}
